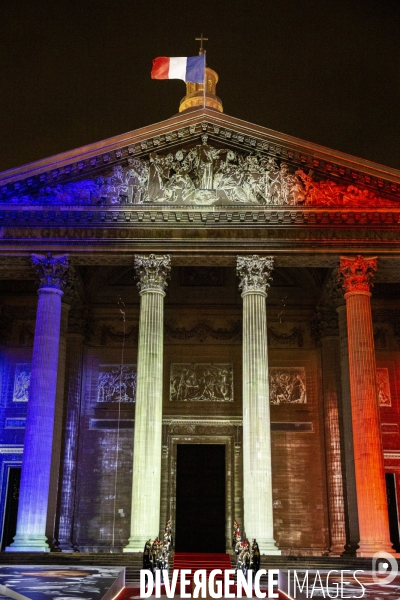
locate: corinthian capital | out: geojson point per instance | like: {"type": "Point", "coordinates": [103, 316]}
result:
{"type": "Point", "coordinates": [333, 291]}
{"type": "Point", "coordinates": [356, 273]}
{"type": "Point", "coordinates": [153, 272]}
{"type": "Point", "coordinates": [51, 270]}
{"type": "Point", "coordinates": [254, 272]}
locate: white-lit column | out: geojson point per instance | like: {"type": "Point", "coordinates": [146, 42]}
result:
{"type": "Point", "coordinates": [254, 273]}
{"type": "Point", "coordinates": [38, 442]}
{"type": "Point", "coordinates": [153, 272]}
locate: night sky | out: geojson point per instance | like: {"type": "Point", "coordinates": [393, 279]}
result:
{"type": "Point", "coordinates": [78, 71]}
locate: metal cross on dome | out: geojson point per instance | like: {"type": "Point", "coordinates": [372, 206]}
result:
{"type": "Point", "coordinates": [201, 39]}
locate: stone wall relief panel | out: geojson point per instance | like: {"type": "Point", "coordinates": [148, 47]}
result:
{"type": "Point", "coordinates": [217, 331]}
{"type": "Point", "coordinates": [201, 382]}
{"type": "Point", "coordinates": [383, 385]}
{"type": "Point", "coordinates": [214, 331]}
{"type": "Point", "coordinates": [14, 387]}
{"type": "Point", "coordinates": [116, 383]}
{"type": "Point", "coordinates": [107, 334]}
{"type": "Point", "coordinates": [22, 379]}
{"type": "Point", "coordinates": [287, 385]}
{"type": "Point", "coordinates": [104, 466]}
{"type": "Point", "coordinates": [283, 335]}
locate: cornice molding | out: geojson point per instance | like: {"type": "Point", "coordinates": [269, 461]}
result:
{"type": "Point", "coordinates": [221, 422]}
{"type": "Point", "coordinates": [186, 216]}
{"type": "Point", "coordinates": [11, 449]}
{"type": "Point", "coordinates": [392, 454]}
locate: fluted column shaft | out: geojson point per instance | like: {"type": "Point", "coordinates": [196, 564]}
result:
{"type": "Point", "coordinates": [353, 534]}
{"type": "Point", "coordinates": [69, 465]}
{"type": "Point", "coordinates": [146, 484]}
{"type": "Point", "coordinates": [368, 454]}
{"type": "Point", "coordinates": [58, 426]}
{"type": "Point", "coordinates": [257, 475]}
{"type": "Point", "coordinates": [38, 442]}
{"type": "Point", "coordinates": [330, 384]}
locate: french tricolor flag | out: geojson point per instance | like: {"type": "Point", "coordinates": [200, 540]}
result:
{"type": "Point", "coordinates": [188, 68]}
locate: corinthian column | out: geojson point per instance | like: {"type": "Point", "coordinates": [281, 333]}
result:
{"type": "Point", "coordinates": [58, 426]}
{"type": "Point", "coordinates": [75, 349]}
{"type": "Point", "coordinates": [356, 274]}
{"type": "Point", "coordinates": [353, 534]}
{"type": "Point", "coordinates": [330, 351]}
{"type": "Point", "coordinates": [153, 272]}
{"type": "Point", "coordinates": [38, 442]}
{"type": "Point", "coordinates": [254, 273]}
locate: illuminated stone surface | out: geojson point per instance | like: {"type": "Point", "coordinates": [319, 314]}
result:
{"type": "Point", "coordinates": [142, 192]}
{"type": "Point", "coordinates": [35, 477]}
{"type": "Point", "coordinates": [353, 534]}
{"type": "Point", "coordinates": [70, 455]}
{"type": "Point", "coordinates": [356, 274]}
{"type": "Point", "coordinates": [254, 273]}
{"type": "Point", "coordinates": [330, 384]}
{"type": "Point", "coordinates": [153, 272]}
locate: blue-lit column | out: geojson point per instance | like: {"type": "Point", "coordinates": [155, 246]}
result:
{"type": "Point", "coordinates": [38, 443]}
{"type": "Point", "coordinates": [153, 272]}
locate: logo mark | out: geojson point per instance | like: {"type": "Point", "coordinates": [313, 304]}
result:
{"type": "Point", "coordinates": [384, 568]}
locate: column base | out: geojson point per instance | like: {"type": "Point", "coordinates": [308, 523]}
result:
{"type": "Point", "coordinates": [66, 548]}
{"type": "Point", "coordinates": [136, 544]}
{"type": "Point", "coordinates": [336, 550]}
{"type": "Point", "coordinates": [29, 544]}
{"type": "Point", "coordinates": [368, 549]}
{"type": "Point", "coordinates": [268, 547]}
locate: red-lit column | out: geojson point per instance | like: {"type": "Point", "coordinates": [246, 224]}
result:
{"type": "Point", "coordinates": [356, 274]}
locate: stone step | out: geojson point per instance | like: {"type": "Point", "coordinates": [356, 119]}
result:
{"type": "Point", "coordinates": [133, 562]}
{"type": "Point", "coordinates": [313, 562]}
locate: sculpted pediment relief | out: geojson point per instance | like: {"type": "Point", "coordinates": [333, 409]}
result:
{"type": "Point", "coordinates": [204, 175]}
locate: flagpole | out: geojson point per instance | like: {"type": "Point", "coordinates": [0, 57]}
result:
{"type": "Point", "coordinates": [204, 80]}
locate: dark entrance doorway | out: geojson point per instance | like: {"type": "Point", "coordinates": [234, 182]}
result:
{"type": "Point", "coordinates": [393, 511]}
{"type": "Point", "coordinates": [200, 498]}
{"type": "Point", "coordinates": [11, 509]}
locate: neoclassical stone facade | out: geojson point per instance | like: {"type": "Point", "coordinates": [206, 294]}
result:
{"type": "Point", "coordinates": [200, 281]}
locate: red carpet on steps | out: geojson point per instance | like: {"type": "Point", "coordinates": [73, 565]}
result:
{"type": "Point", "coordinates": [192, 561]}
{"type": "Point", "coordinates": [195, 561]}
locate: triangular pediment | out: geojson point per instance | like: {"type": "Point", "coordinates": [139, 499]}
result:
{"type": "Point", "coordinates": [172, 163]}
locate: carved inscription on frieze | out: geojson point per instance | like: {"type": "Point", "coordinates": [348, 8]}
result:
{"type": "Point", "coordinates": [201, 382]}
{"type": "Point", "coordinates": [383, 385]}
{"type": "Point", "coordinates": [328, 234]}
{"type": "Point", "coordinates": [22, 380]}
{"type": "Point", "coordinates": [117, 383]}
{"type": "Point", "coordinates": [287, 385]}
